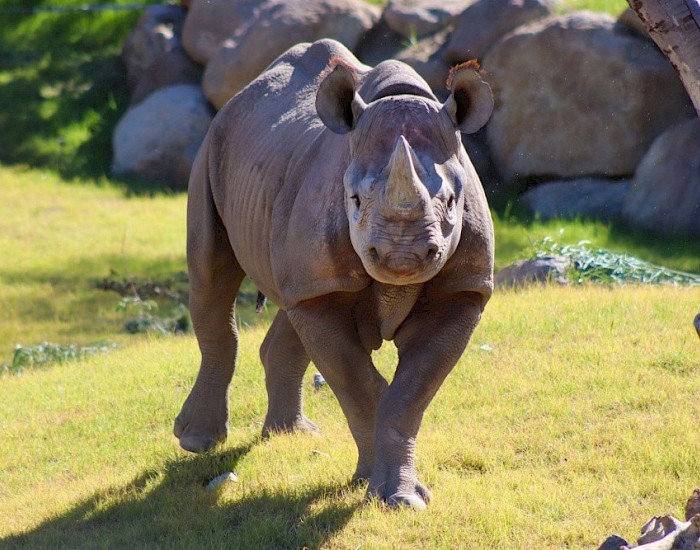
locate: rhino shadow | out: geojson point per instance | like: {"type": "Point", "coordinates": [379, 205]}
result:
{"type": "Point", "coordinates": [146, 516]}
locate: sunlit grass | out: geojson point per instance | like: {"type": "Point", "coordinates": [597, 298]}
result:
{"type": "Point", "coordinates": [568, 418]}
{"type": "Point", "coordinates": [575, 422]}
{"type": "Point", "coordinates": [58, 239]}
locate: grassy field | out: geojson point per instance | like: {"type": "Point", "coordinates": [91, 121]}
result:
{"type": "Point", "coordinates": [571, 415]}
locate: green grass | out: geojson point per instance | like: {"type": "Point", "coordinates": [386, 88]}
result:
{"type": "Point", "coordinates": [577, 423]}
{"type": "Point", "coordinates": [576, 420]}
{"type": "Point", "coordinates": [62, 86]}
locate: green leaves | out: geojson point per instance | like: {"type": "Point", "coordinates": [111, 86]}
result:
{"type": "Point", "coordinates": [603, 266]}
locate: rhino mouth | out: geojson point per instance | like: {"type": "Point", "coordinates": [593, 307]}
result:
{"type": "Point", "coordinates": [400, 267]}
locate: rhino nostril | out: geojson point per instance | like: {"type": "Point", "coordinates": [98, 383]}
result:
{"type": "Point", "coordinates": [373, 253]}
{"type": "Point", "coordinates": [432, 252]}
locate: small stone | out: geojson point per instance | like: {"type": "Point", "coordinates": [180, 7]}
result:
{"type": "Point", "coordinates": [220, 480]}
{"type": "Point", "coordinates": [485, 347]}
{"type": "Point", "coordinates": [319, 380]}
{"type": "Point", "coordinates": [316, 452]}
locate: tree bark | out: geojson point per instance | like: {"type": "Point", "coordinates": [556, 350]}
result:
{"type": "Point", "coordinates": [675, 27]}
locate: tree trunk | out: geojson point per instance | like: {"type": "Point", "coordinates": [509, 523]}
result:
{"type": "Point", "coordinates": [675, 27]}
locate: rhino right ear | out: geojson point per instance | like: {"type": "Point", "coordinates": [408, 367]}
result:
{"type": "Point", "coordinates": [471, 101]}
{"type": "Point", "coordinates": [338, 104]}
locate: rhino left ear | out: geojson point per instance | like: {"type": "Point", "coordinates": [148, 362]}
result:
{"type": "Point", "coordinates": [471, 102]}
{"type": "Point", "coordinates": [338, 104]}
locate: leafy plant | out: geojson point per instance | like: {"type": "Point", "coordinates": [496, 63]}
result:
{"type": "Point", "coordinates": [48, 353]}
{"type": "Point", "coordinates": [606, 267]}
{"type": "Point", "coordinates": [146, 318]}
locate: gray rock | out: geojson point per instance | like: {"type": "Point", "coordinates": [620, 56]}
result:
{"type": "Point", "coordinates": [600, 199]}
{"type": "Point", "coordinates": [575, 97]}
{"type": "Point", "coordinates": [379, 44]}
{"type": "Point", "coordinates": [630, 21]}
{"type": "Point", "coordinates": [485, 22]}
{"type": "Point", "coordinates": [157, 31]}
{"type": "Point", "coordinates": [171, 67]}
{"type": "Point", "coordinates": [665, 192]}
{"type": "Point", "coordinates": [418, 18]}
{"type": "Point", "coordinates": [156, 140]}
{"type": "Point", "coordinates": [276, 26]}
{"type": "Point", "coordinates": [210, 22]}
{"type": "Point", "coordinates": [425, 57]}
{"type": "Point", "coordinates": [550, 269]}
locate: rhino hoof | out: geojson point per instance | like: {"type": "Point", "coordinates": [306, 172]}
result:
{"type": "Point", "coordinates": [199, 444]}
{"type": "Point", "coordinates": [303, 425]}
{"type": "Point", "coordinates": [194, 442]}
{"type": "Point", "coordinates": [406, 500]}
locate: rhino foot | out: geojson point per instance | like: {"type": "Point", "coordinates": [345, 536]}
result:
{"type": "Point", "coordinates": [197, 431]}
{"type": "Point", "coordinates": [416, 497]}
{"type": "Point", "coordinates": [299, 424]}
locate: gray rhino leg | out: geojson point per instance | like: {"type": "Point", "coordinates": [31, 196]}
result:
{"type": "Point", "coordinates": [215, 277]}
{"type": "Point", "coordinates": [327, 330]}
{"type": "Point", "coordinates": [430, 342]}
{"type": "Point", "coordinates": [285, 361]}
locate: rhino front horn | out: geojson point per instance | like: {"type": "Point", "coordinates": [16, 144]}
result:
{"type": "Point", "coordinates": [404, 190]}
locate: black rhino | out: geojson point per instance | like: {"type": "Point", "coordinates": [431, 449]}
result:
{"type": "Point", "coordinates": [345, 194]}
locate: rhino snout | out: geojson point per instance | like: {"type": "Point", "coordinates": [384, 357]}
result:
{"type": "Point", "coordinates": [403, 261]}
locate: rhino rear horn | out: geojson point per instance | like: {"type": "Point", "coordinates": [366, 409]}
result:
{"type": "Point", "coordinates": [338, 104]}
{"type": "Point", "coordinates": [471, 102]}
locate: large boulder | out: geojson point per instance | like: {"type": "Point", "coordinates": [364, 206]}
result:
{"type": "Point", "coordinates": [211, 22]}
{"type": "Point", "coordinates": [485, 22]}
{"type": "Point", "coordinates": [576, 96]}
{"type": "Point", "coordinates": [158, 30]}
{"type": "Point", "coordinates": [548, 269]}
{"type": "Point", "coordinates": [171, 67]}
{"type": "Point", "coordinates": [157, 139]}
{"type": "Point", "coordinates": [417, 18]}
{"type": "Point", "coordinates": [630, 21]}
{"type": "Point", "coordinates": [425, 57]}
{"type": "Point", "coordinates": [665, 193]}
{"type": "Point", "coordinates": [276, 26]}
{"type": "Point", "coordinates": [379, 44]}
{"type": "Point", "coordinates": [596, 198]}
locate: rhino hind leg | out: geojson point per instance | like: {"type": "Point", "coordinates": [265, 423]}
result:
{"type": "Point", "coordinates": [285, 361]}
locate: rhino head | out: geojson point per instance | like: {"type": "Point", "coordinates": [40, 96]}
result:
{"type": "Point", "coordinates": [405, 182]}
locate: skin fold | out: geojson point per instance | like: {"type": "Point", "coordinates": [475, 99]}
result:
{"type": "Point", "coordinates": [344, 193]}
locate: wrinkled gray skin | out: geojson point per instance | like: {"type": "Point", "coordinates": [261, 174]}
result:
{"type": "Point", "coordinates": [345, 194]}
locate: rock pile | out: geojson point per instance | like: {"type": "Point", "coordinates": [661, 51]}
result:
{"type": "Point", "coordinates": [590, 119]}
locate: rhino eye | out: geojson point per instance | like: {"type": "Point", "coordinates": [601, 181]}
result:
{"type": "Point", "coordinates": [356, 200]}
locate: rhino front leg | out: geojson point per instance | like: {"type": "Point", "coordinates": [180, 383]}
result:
{"type": "Point", "coordinates": [430, 342]}
{"type": "Point", "coordinates": [327, 330]}
{"type": "Point", "coordinates": [215, 277]}
{"type": "Point", "coordinates": [285, 361]}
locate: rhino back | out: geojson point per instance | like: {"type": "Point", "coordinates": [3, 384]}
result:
{"type": "Point", "coordinates": [276, 177]}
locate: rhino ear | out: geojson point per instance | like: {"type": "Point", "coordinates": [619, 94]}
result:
{"type": "Point", "coordinates": [471, 102]}
{"type": "Point", "coordinates": [338, 104]}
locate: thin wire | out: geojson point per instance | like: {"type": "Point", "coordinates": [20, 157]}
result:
{"type": "Point", "coordinates": [28, 10]}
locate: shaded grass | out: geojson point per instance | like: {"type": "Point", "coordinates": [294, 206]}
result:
{"type": "Point", "coordinates": [64, 85]}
